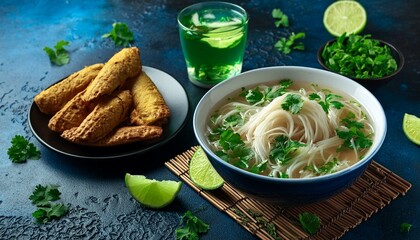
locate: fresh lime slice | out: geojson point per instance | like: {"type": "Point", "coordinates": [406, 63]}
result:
{"type": "Point", "coordinates": [202, 173]}
{"type": "Point", "coordinates": [150, 192]}
{"type": "Point", "coordinates": [224, 37]}
{"type": "Point", "coordinates": [345, 16]}
{"type": "Point", "coordinates": [411, 128]}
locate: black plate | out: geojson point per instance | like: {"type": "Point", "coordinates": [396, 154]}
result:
{"type": "Point", "coordinates": [174, 95]}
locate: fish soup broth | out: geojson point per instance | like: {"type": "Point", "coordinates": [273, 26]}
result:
{"type": "Point", "coordinates": [290, 130]}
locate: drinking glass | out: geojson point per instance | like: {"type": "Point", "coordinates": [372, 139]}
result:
{"type": "Point", "coordinates": [213, 38]}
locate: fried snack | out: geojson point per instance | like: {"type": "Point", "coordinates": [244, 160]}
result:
{"type": "Point", "coordinates": [109, 113]}
{"type": "Point", "coordinates": [149, 106]}
{"type": "Point", "coordinates": [130, 134]}
{"type": "Point", "coordinates": [52, 99]}
{"type": "Point", "coordinates": [124, 64]}
{"type": "Point", "coordinates": [71, 115]}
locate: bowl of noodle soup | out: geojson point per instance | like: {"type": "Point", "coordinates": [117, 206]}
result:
{"type": "Point", "coordinates": [289, 135]}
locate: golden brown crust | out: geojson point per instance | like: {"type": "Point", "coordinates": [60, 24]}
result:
{"type": "Point", "coordinates": [124, 64]}
{"type": "Point", "coordinates": [149, 106]}
{"type": "Point", "coordinates": [107, 115]}
{"type": "Point", "coordinates": [52, 99]}
{"type": "Point", "coordinates": [130, 134]}
{"type": "Point", "coordinates": [71, 115]}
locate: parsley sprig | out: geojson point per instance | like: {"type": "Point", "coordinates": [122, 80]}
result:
{"type": "Point", "coordinates": [60, 56]}
{"type": "Point", "coordinates": [293, 103]}
{"type": "Point", "coordinates": [22, 150]}
{"type": "Point", "coordinates": [120, 34]}
{"type": "Point", "coordinates": [43, 198]}
{"type": "Point", "coordinates": [193, 227]}
{"type": "Point", "coordinates": [310, 222]}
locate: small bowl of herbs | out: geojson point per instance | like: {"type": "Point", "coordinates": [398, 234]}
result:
{"type": "Point", "coordinates": [361, 58]}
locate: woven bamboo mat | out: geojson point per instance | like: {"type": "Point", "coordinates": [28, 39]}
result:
{"type": "Point", "coordinates": [375, 189]}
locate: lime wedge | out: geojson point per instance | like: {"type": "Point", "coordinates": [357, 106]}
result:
{"type": "Point", "coordinates": [411, 128]}
{"type": "Point", "coordinates": [150, 192]}
{"type": "Point", "coordinates": [345, 16]}
{"type": "Point", "coordinates": [202, 173]}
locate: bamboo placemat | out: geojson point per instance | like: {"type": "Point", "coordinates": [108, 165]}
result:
{"type": "Point", "coordinates": [375, 189]}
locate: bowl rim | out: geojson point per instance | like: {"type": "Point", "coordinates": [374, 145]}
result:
{"type": "Point", "coordinates": [367, 158]}
{"type": "Point", "coordinates": [401, 61]}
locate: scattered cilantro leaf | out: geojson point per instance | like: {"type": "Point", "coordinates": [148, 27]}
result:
{"type": "Point", "coordinates": [60, 56]}
{"type": "Point", "coordinates": [329, 101]}
{"type": "Point", "coordinates": [310, 222]}
{"type": "Point", "coordinates": [326, 168]}
{"type": "Point", "coordinates": [405, 227]}
{"type": "Point", "coordinates": [256, 95]}
{"type": "Point", "coordinates": [354, 137]}
{"type": "Point", "coordinates": [282, 19]}
{"type": "Point", "coordinates": [293, 103]}
{"type": "Point", "coordinates": [43, 197]}
{"type": "Point", "coordinates": [120, 34]}
{"type": "Point", "coordinates": [193, 227]}
{"type": "Point", "coordinates": [286, 45]}
{"type": "Point", "coordinates": [359, 56]}
{"type": "Point", "coordinates": [22, 150]}
{"type": "Point", "coordinates": [283, 149]}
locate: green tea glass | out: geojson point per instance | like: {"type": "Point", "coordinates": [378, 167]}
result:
{"type": "Point", "coordinates": [213, 39]}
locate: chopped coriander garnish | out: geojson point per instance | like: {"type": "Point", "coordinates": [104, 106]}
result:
{"type": "Point", "coordinates": [22, 150]}
{"type": "Point", "coordinates": [359, 56]}
{"type": "Point", "coordinates": [405, 227]}
{"type": "Point", "coordinates": [310, 222]}
{"type": "Point", "coordinates": [354, 137]}
{"type": "Point", "coordinates": [293, 103]}
{"type": "Point", "coordinates": [120, 34]}
{"type": "Point", "coordinates": [193, 227]}
{"type": "Point", "coordinates": [43, 197]}
{"type": "Point", "coordinates": [60, 56]}
{"type": "Point", "coordinates": [329, 101]}
{"type": "Point", "coordinates": [282, 19]}
{"type": "Point", "coordinates": [286, 45]}
{"type": "Point", "coordinates": [283, 149]}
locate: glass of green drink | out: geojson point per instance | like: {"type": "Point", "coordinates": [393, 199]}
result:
{"type": "Point", "coordinates": [213, 39]}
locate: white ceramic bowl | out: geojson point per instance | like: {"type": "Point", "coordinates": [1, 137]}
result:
{"type": "Point", "coordinates": [289, 191]}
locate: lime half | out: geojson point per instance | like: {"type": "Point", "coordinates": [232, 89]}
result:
{"type": "Point", "coordinates": [150, 192]}
{"type": "Point", "coordinates": [202, 173]}
{"type": "Point", "coordinates": [411, 128]}
{"type": "Point", "coordinates": [345, 16]}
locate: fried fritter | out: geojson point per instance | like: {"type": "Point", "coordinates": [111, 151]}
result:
{"type": "Point", "coordinates": [71, 115]}
{"type": "Point", "coordinates": [124, 64]}
{"type": "Point", "coordinates": [108, 114]}
{"type": "Point", "coordinates": [52, 99]}
{"type": "Point", "coordinates": [149, 106]}
{"type": "Point", "coordinates": [130, 134]}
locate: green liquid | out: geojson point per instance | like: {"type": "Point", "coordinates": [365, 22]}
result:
{"type": "Point", "coordinates": [213, 44]}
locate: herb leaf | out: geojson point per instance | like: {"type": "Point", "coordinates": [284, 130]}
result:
{"type": "Point", "coordinates": [354, 137]}
{"type": "Point", "coordinates": [284, 148]}
{"type": "Point", "coordinates": [120, 34]}
{"type": "Point", "coordinates": [330, 100]}
{"type": "Point", "coordinates": [405, 227]}
{"type": "Point", "coordinates": [286, 45]}
{"type": "Point", "coordinates": [293, 103]}
{"type": "Point", "coordinates": [22, 150]}
{"type": "Point", "coordinates": [42, 197]}
{"type": "Point", "coordinates": [310, 222]}
{"type": "Point", "coordinates": [60, 56]}
{"type": "Point", "coordinates": [283, 19]}
{"type": "Point", "coordinates": [193, 227]}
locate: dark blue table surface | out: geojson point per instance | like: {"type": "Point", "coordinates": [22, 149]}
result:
{"type": "Point", "coordinates": [101, 207]}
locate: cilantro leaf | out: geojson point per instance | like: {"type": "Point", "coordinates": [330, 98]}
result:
{"type": "Point", "coordinates": [43, 197]}
{"type": "Point", "coordinates": [22, 150]}
{"type": "Point", "coordinates": [120, 34]}
{"type": "Point", "coordinates": [293, 103]}
{"type": "Point", "coordinates": [354, 137]}
{"type": "Point", "coordinates": [60, 56]}
{"type": "Point", "coordinates": [282, 19]}
{"type": "Point", "coordinates": [329, 101]}
{"type": "Point", "coordinates": [310, 222]}
{"type": "Point", "coordinates": [286, 45]}
{"type": "Point", "coordinates": [405, 227]}
{"type": "Point", "coordinates": [283, 149]}
{"type": "Point", "coordinates": [192, 228]}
